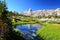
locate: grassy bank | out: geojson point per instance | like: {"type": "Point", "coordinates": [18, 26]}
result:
{"type": "Point", "coordinates": [49, 32]}
{"type": "Point", "coordinates": [25, 20]}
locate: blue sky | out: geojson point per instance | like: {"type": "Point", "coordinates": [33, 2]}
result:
{"type": "Point", "coordinates": [22, 5]}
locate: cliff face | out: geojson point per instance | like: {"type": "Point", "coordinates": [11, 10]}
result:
{"type": "Point", "coordinates": [42, 12]}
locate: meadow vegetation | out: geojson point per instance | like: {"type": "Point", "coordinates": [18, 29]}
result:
{"type": "Point", "coordinates": [24, 20]}
{"type": "Point", "coordinates": [50, 31]}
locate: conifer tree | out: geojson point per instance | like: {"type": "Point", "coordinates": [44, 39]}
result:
{"type": "Point", "coordinates": [7, 31]}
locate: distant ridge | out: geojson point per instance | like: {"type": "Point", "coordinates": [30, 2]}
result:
{"type": "Point", "coordinates": [42, 12]}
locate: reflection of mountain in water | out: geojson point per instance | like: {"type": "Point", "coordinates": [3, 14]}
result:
{"type": "Point", "coordinates": [29, 31]}
{"type": "Point", "coordinates": [28, 35]}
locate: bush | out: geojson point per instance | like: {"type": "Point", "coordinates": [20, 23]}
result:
{"type": "Point", "coordinates": [1, 39]}
{"type": "Point", "coordinates": [14, 35]}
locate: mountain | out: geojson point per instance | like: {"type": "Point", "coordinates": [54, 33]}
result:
{"type": "Point", "coordinates": [41, 13]}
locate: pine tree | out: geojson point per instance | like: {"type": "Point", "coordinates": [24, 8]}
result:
{"type": "Point", "coordinates": [7, 31]}
{"type": "Point", "coordinates": [6, 25]}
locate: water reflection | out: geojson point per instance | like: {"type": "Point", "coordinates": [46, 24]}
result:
{"type": "Point", "coordinates": [29, 31]}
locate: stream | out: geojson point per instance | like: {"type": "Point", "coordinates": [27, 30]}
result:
{"type": "Point", "coordinates": [29, 30]}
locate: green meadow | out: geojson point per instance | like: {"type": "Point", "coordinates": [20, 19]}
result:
{"type": "Point", "coordinates": [49, 32]}
{"type": "Point", "coordinates": [24, 20]}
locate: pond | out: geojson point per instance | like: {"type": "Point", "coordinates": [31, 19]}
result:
{"type": "Point", "coordinates": [29, 31]}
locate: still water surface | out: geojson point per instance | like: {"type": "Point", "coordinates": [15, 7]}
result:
{"type": "Point", "coordinates": [29, 31]}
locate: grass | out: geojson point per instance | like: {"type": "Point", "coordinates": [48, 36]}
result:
{"type": "Point", "coordinates": [25, 20]}
{"type": "Point", "coordinates": [49, 32]}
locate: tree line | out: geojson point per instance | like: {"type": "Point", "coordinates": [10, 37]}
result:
{"type": "Point", "coordinates": [7, 31]}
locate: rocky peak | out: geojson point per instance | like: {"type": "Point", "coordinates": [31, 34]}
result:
{"type": "Point", "coordinates": [42, 12]}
